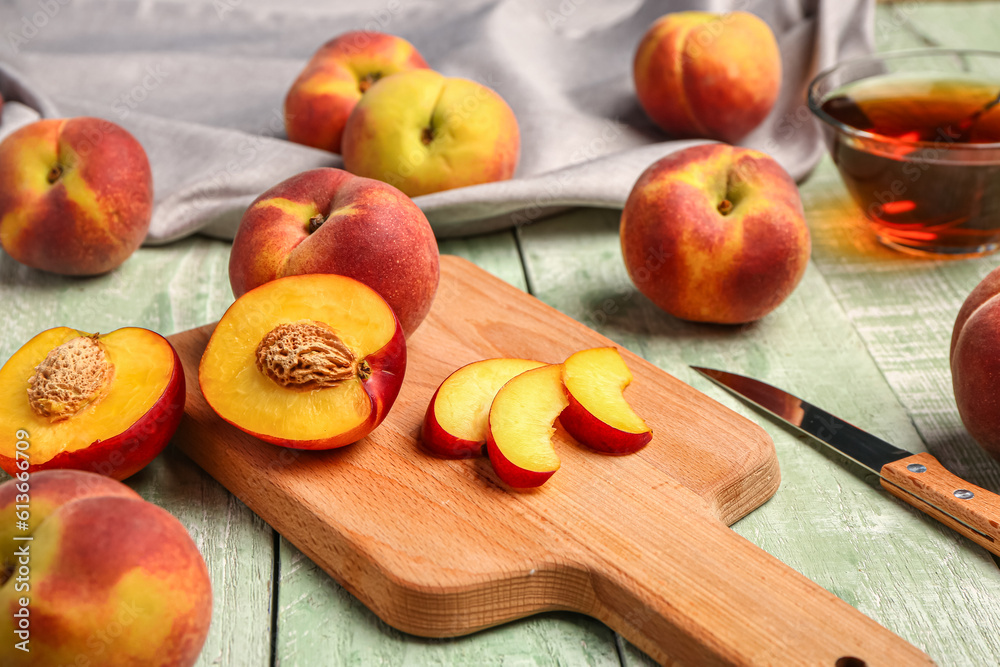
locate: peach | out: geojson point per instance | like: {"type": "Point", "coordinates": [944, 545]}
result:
{"type": "Point", "coordinates": [597, 414]}
{"type": "Point", "coordinates": [106, 403]}
{"type": "Point", "coordinates": [699, 74]}
{"type": "Point", "coordinates": [715, 233]}
{"type": "Point", "coordinates": [975, 363]}
{"type": "Point", "coordinates": [456, 421]}
{"type": "Point", "coordinates": [423, 132]}
{"type": "Point", "coordinates": [328, 221]}
{"type": "Point", "coordinates": [308, 362]}
{"type": "Point", "coordinates": [76, 195]}
{"type": "Point", "coordinates": [105, 579]}
{"type": "Point", "coordinates": [324, 94]}
{"type": "Point", "coordinates": [519, 436]}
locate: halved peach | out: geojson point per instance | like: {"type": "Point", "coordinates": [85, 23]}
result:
{"type": "Point", "coordinates": [310, 361]}
{"type": "Point", "coordinates": [597, 414]}
{"type": "Point", "coordinates": [104, 403]}
{"type": "Point", "coordinates": [457, 418]}
{"type": "Point", "coordinates": [519, 438]}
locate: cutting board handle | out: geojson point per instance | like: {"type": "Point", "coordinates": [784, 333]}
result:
{"type": "Point", "coordinates": [706, 595]}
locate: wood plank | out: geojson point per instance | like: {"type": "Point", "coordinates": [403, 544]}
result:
{"type": "Point", "coordinates": [957, 25]}
{"type": "Point", "coordinates": [495, 253]}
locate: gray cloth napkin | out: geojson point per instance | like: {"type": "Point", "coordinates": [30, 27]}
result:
{"type": "Point", "coordinates": [201, 85]}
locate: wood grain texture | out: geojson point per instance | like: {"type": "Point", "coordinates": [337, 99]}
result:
{"type": "Point", "coordinates": [440, 548]}
{"type": "Point", "coordinates": [921, 481]}
{"type": "Point", "coordinates": [496, 254]}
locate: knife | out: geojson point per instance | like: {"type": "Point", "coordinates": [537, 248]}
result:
{"type": "Point", "coordinates": [917, 479]}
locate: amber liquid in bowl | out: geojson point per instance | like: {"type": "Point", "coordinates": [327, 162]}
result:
{"type": "Point", "coordinates": [937, 198]}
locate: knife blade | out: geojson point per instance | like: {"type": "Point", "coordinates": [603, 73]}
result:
{"type": "Point", "coordinates": [917, 479]}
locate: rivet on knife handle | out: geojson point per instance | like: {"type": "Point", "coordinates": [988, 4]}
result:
{"type": "Point", "coordinates": [921, 481]}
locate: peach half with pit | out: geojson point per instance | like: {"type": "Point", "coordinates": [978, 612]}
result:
{"type": "Point", "coordinates": [457, 417]}
{"type": "Point", "coordinates": [107, 403]}
{"type": "Point", "coordinates": [311, 361]}
{"type": "Point", "coordinates": [598, 415]}
{"type": "Point", "coordinates": [105, 577]}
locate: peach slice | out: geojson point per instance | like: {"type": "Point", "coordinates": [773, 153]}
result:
{"type": "Point", "coordinates": [519, 438]}
{"type": "Point", "coordinates": [103, 403]}
{"type": "Point", "coordinates": [311, 361]}
{"type": "Point", "coordinates": [598, 415]}
{"type": "Point", "coordinates": [457, 418]}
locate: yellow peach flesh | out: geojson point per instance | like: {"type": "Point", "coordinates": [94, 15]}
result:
{"type": "Point", "coordinates": [462, 407]}
{"type": "Point", "coordinates": [242, 395]}
{"type": "Point", "coordinates": [522, 417]}
{"type": "Point", "coordinates": [142, 373]}
{"type": "Point", "coordinates": [596, 378]}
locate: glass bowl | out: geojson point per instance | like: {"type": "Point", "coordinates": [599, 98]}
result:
{"type": "Point", "coordinates": [915, 136]}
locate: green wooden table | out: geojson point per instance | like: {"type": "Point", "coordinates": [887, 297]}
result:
{"type": "Point", "coordinates": [866, 335]}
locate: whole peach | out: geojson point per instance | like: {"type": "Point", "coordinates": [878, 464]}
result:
{"type": "Point", "coordinates": [975, 363]}
{"type": "Point", "coordinates": [715, 233]}
{"type": "Point", "coordinates": [335, 78]}
{"type": "Point", "coordinates": [699, 74]}
{"type": "Point", "coordinates": [330, 221]}
{"type": "Point", "coordinates": [423, 132]}
{"type": "Point", "coordinates": [106, 579]}
{"type": "Point", "coordinates": [76, 195]}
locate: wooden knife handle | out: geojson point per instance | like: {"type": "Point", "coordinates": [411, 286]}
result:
{"type": "Point", "coordinates": [920, 480]}
{"type": "Point", "coordinates": [700, 594]}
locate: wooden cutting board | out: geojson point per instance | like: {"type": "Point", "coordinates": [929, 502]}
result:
{"type": "Point", "coordinates": [641, 542]}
